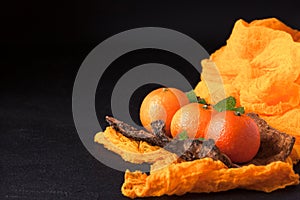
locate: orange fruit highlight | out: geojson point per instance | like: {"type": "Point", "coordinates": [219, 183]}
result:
{"type": "Point", "coordinates": [237, 136]}
{"type": "Point", "coordinates": [161, 104]}
{"type": "Point", "coordinates": [192, 118]}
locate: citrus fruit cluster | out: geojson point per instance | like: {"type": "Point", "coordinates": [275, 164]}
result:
{"type": "Point", "coordinates": [234, 133]}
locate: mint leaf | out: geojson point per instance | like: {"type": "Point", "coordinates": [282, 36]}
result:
{"type": "Point", "coordinates": [241, 110]}
{"type": "Point", "coordinates": [202, 101]}
{"type": "Point", "coordinates": [201, 139]}
{"type": "Point", "coordinates": [228, 103]}
{"type": "Point", "coordinates": [183, 135]}
{"type": "Point", "coordinates": [191, 95]}
{"type": "Point", "coordinates": [225, 104]}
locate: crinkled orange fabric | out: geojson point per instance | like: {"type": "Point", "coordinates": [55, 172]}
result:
{"type": "Point", "coordinates": [206, 175]}
{"type": "Point", "coordinates": [260, 67]}
{"type": "Point", "coordinates": [133, 151]}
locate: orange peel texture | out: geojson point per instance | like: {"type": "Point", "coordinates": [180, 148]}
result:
{"type": "Point", "coordinates": [260, 67]}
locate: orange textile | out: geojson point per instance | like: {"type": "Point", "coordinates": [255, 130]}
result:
{"type": "Point", "coordinates": [133, 151]}
{"type": "Point", "coordinates": [206, 175]}
{"type": "Point", "coordinates": [168, 176]}
{"type": "Point", "coordinates": [260, 67]}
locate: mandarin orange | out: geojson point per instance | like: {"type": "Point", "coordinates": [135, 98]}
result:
{"type": "Point", "coordinates": [161, 104]}
{"type": "Point", "coordinates": [236, 135]}
{"type": "Point", "coordinates": [192, 118]}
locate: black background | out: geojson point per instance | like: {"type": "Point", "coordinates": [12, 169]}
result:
{"type": "Point", "coordinates": [43, 45]}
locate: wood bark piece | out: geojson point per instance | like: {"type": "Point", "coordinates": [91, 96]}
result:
{"type": "Point", "coordinates": [187, 150]}
{"type": "Point", "coordinates": [274, 145]}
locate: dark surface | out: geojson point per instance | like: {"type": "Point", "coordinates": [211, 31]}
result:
{"type": "Point", "coordinates": [41, 155]}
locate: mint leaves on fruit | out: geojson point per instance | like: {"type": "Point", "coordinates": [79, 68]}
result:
{"type": "Point", "coordinates": [191, 95]}
{"type": "Point", "coordinates": [183, 135]}
{"type": "Point", "coordinates": [228, 103]}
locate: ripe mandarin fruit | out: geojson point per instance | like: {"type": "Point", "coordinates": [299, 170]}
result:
{"type": "Point", "coordinates": [161, 104]}
{"type": "Point", "coordinates": [192, 118]}
{"type": "Point", "coordinates": [235, 134]}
